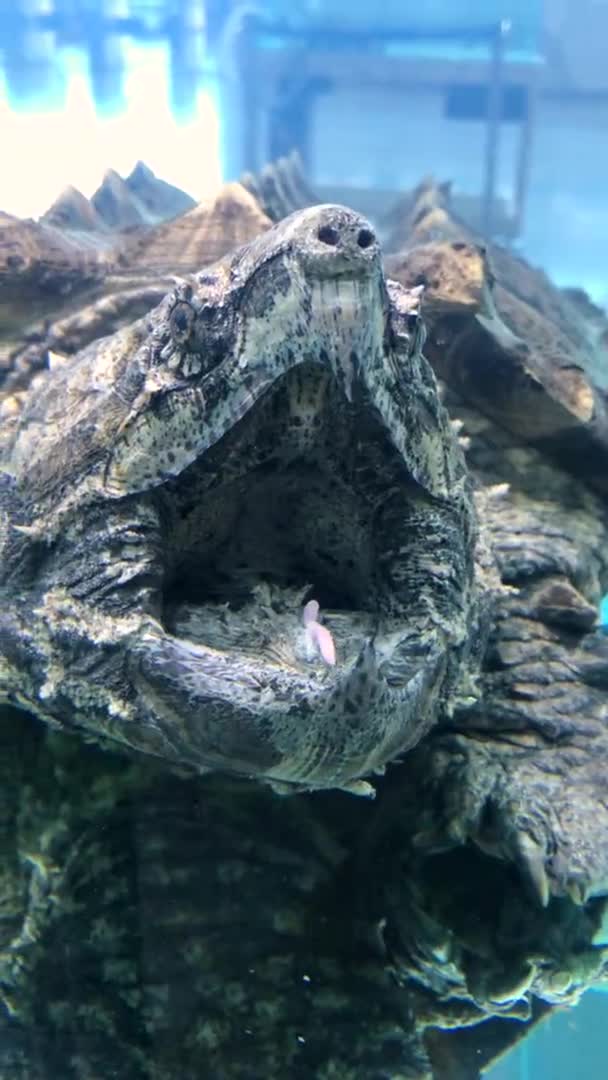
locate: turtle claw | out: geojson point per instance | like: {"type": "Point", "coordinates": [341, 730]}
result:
{"type": "Point", "coordinates": [577, 890]}
{"type": "Point", "coordinates": [531, 858]}
{"type": "Point", "coordinates": [361, 788]}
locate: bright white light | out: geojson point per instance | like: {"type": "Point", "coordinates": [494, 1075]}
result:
{"type": "Point", "coordinates": [42, 152]}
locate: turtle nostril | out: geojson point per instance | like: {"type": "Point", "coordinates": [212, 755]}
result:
{"type": "Point", "coordinates": [328, 235]}
{"type": "Point", "coordinates": [365, 238]}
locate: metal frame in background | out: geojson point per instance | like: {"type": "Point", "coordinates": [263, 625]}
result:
{"type": "Point", "coordinates": [320, 53]}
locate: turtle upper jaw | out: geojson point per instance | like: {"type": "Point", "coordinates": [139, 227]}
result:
{"type": "Point", "coordinates": [312, 290]}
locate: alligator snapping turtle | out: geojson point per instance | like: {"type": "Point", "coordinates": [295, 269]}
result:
{"type": "Point", "coordinates": [172, 496]}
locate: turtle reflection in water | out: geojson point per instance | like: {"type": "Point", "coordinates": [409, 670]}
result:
{"type": "Point", "coordinates": [176, 501]}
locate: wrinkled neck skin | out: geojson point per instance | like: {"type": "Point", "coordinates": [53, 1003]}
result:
{"type": "Point", "coordinates": [271, 434]}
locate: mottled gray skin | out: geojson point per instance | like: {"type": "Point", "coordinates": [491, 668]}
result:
{"type": "Point", "coordinates": [269, 432]}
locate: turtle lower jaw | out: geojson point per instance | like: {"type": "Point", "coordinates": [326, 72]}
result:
{"type": "Point", "coordinates": [241, 677]}
{"type": "Point", "coordinates": [279, 716]}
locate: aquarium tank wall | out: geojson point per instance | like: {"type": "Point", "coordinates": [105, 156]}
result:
{"type": "Point", "coordinates": [303, 540]}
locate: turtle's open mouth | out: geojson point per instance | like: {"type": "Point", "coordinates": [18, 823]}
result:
{"type": "Point", "coordinates": [286, 507]}
{"type": "Point", "coordinates": [289, 506]}
{"type": "Point", "coordinates": [289, 502]}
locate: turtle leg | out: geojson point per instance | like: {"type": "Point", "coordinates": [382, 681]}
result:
{"type": "Point", "coordinates": [503, 809]}
{"type": "Point", "coordinates": [524, 775]}
{"type": "Point", "coordinates": [495, 884]}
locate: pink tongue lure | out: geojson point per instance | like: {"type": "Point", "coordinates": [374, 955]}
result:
{"type": "Point", "coordinates": [319, 635]}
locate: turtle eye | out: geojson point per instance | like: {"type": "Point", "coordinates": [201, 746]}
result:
{"type": "Point", "coordinates": [181, 322]}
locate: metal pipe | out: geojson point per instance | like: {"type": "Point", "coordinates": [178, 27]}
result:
{"type": "Point", "coordinates": [495, 89]}
{"type": "Point", "coordinates": [524, 161]}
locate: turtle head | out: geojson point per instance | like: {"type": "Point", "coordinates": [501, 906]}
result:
{"type": "Point", "coordinates": [269, 434]}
